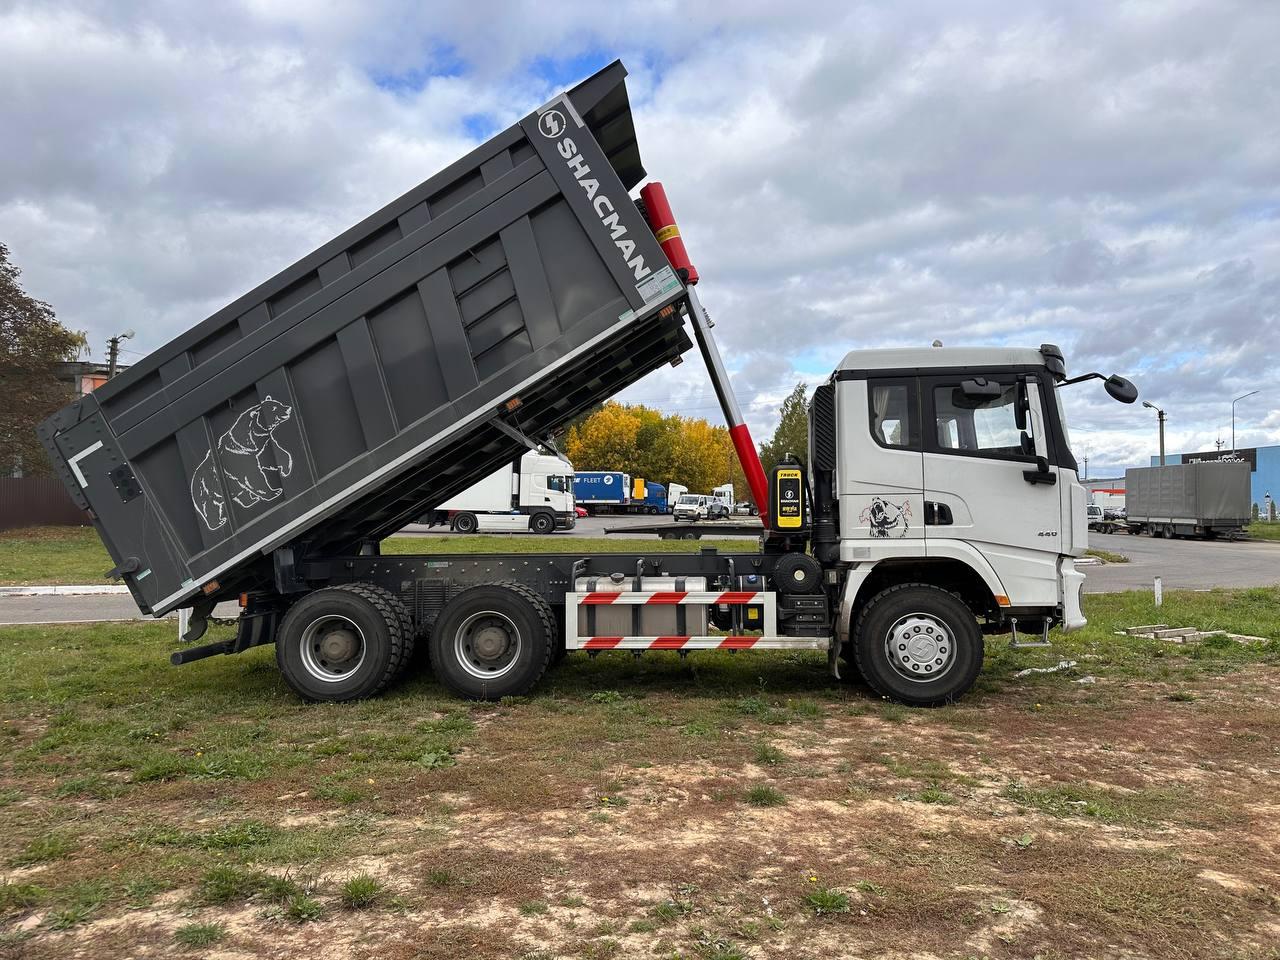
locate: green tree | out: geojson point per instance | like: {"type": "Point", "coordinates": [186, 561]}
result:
{"type": "Point", "coordinates": [32, 344]}
{"type": "Point", "coordinates": [792, 432]}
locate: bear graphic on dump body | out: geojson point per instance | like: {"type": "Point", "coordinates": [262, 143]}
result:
{"type": "Point", "coordinates": [252, 463]}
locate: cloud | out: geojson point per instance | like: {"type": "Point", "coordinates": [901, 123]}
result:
{"type": "Point", "coordinates": [1097, 175]}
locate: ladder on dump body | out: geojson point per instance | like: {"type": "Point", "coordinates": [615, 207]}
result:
{"type": "Point", "coordinates": [768, 639]}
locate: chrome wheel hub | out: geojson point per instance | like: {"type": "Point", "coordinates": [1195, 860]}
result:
{"type": "Point", "coordinates": [332, 648]}
{"type": "Point", "coordinates": [488, 645]}
{"type": "Point", "coordinates": [920, 647]}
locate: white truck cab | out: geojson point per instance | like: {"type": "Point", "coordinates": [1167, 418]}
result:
{"type": "Point", "coordinates": [537, 497]}
{"type": "Point", "coordinates": [951, 468]}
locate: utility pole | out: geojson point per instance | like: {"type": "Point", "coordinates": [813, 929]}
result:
{"type": "Point", "coordinates": [1233, 418]}
{"type": "Point", "coordinates": [1218, 443]}
{"type": "Point", "coordinates": [113, 352]}
{"type": "Point", "coordinates": [1161, 417]}
{"type": "Point", "coordinates": [1086, 466]}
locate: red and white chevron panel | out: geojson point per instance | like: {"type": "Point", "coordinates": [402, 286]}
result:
{"type": "Point", "coordinates": [749, 642]}
{"type": "Point", "coordinates": [670, 597]}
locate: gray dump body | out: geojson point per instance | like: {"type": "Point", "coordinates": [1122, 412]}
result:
{"type": "Point", "coordinates": [1214, 493]}
{"type": "Point", "coordinates": [373, 378]}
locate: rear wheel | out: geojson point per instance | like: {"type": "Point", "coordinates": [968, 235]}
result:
{"type": "Point", "coordinates": [542, 523]}
{"type": "Point", "coordinates": [344, 643]}
{"type": "Point", "coordinates": [917, 643]}
{"type": "Point", "coordinates": [465, 523]}
{"type": "Point", "coordinates": [493, 641]}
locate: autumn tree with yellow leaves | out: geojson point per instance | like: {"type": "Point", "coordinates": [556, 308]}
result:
{"type": "Point", "coordinates": [664, 448]}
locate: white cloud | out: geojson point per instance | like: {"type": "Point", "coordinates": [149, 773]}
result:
{"type": "Point", "coordinates": [1093, 174]}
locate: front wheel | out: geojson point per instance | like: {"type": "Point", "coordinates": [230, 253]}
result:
{"type": "Point", "coordinates": [465, 523]}
{"type": "Point", "coordinates": [918, 644]}
{"type": "Point", "coordinates": [542, 523]}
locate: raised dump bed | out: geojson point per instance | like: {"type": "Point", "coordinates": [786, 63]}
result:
{"type": "Point", "coordinates": [387, 370]}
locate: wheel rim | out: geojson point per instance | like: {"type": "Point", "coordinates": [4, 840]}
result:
{"type": "Point", "coordinates": [920, 647]}
{"type": "Point", "coordinates": [332, 648]}
{"type": "Point", "coordinates": [487, 645]}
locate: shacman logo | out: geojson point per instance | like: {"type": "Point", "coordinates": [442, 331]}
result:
{"type": "Point", "coordinates": [551, 124]}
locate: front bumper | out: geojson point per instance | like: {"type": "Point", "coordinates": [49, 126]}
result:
{"type": "Point", "coordinates": [1072, 581]}
{"type": "Point", "coordinates": [568, 522]}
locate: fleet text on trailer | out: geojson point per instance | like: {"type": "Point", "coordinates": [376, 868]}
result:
{"type": "Point", "coordinates": [265, 453]}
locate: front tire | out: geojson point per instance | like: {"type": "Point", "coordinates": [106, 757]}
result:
{"type": "Point", "coordinates": [542, 523]}
{"type": "Point", "coordinates": [344, 643]}
{"type": "Point", "coordinates": [493, 641]}
{"type": "Point", "coordinates": [918, 644]}
{"type": "Point", "coordinates": [465, 523]}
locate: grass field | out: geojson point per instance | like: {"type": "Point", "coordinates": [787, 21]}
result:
{"type": "Point", "coordinates": [59, 555]}
{"type": "Point", "coordinates": [718, 807]}
{"type": "Point", "coordinates": [1264, 530]}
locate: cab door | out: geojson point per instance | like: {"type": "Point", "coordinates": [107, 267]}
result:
{"type": "Point", "coordinates": [990, 485]}
{"type": "Point", "coordinates": [880, 484]}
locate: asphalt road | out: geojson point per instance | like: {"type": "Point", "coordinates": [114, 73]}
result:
{"type": "Point", "coordinates": [1181, 565]}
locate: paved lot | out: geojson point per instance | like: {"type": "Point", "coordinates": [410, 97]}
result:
{"type": "Point", "coordinates": [1183, 564]}
{"type": "Point", "coordinates": [586, 527]}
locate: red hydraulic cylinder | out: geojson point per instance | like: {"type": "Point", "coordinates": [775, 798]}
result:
{"type": "Point", "coordinates": [663, 223]}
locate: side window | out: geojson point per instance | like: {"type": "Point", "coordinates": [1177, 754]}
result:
{"type": "Point", "coordinates": [890, 404]}
{"type": "Point", "coordinates": [980, 425]}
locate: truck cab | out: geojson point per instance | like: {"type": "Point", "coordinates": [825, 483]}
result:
{"type": "Point", "coordinates": [537, 497]}
{"type": "Point", "coordinates": [951, 467]}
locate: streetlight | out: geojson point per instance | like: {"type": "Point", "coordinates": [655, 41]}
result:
{"type": "Point", "coordinates": [113, 351]}
{"type": "Point", "coordinates": [1161, 417]}
{"type": "Point", "coordinates": [1233, 418]}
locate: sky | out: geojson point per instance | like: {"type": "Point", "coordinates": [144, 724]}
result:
{"type": "Point", "coordinates": [1100, 175]}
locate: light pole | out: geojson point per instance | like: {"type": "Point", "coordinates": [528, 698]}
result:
{"type": "Point", "coordinates": [1233, 418]}
{"type": "Point", "coordinates": [1161, 417]}
{"type": "Point", "coordinates": [113, 352]}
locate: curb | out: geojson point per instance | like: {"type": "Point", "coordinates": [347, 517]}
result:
{"type": "Point", "coordinates": [63, 590]}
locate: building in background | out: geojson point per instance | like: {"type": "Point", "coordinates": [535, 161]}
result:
{"type": "Point", "coordinates": [85, 376]}
{"type": "Point", "coordinates": [1106, 492]}
{"type": "Point", "coordinates": [1264, 470]}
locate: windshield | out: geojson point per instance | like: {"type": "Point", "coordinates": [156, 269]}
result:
{"type": "Point", "coordinates": [689, 500]}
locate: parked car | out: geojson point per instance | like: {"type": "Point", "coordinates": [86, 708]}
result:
{"type": "Point", "coordinates": [745, 507]}
{"type": "Point", "coordinates": [580, 511]}
{"type": "Point", "coordinates": [691, 507]}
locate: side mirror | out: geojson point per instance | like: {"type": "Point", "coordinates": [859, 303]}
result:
{"type": "Point", "coordinates": [1021, 404]}
{"type": "Point", "coordinates": [1121, 389]}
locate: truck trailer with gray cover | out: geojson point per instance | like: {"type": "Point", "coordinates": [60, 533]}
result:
{"type": "Point", "coordinates": [1208, 499]}
{"type": "Point", "coordinates": [265, 454]}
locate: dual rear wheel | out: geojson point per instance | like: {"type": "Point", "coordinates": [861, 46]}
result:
{"type": "Point", "coordinates": [350, 642]}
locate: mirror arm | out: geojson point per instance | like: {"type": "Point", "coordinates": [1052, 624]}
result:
{"type": "Point", "coordinates": [1080, 379]}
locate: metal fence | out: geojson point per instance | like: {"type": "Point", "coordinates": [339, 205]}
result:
{"type": "Point", "coordinates": [36, 501]}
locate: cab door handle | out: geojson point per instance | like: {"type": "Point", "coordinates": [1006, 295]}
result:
{"type": "Point", "coordinates": [937, 514]}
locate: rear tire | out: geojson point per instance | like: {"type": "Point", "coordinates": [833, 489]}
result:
{"type": "Point", "coordinates": [344, 643]}
{"type": "Point", "coordinates": [918, 644]}
{"type": "Point", "coordinates": [493, 641]}
{"type": "Point", "coordinates": [541, 523]}
{"type": "Point", "coordinates": [465, 523]}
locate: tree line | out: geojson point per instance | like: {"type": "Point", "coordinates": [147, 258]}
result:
{"type": "Point", "coordinates": [670, 448]}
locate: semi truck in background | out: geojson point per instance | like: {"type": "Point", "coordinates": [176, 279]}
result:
{"type": "Point", "coordinates": [612, 491]}
{"type": "Point", "coordinates": [534, 494]}
{"type": "Point", "coordinates": [263, 455]}
{"type": "Point", "coordinates": [1207, 499]}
